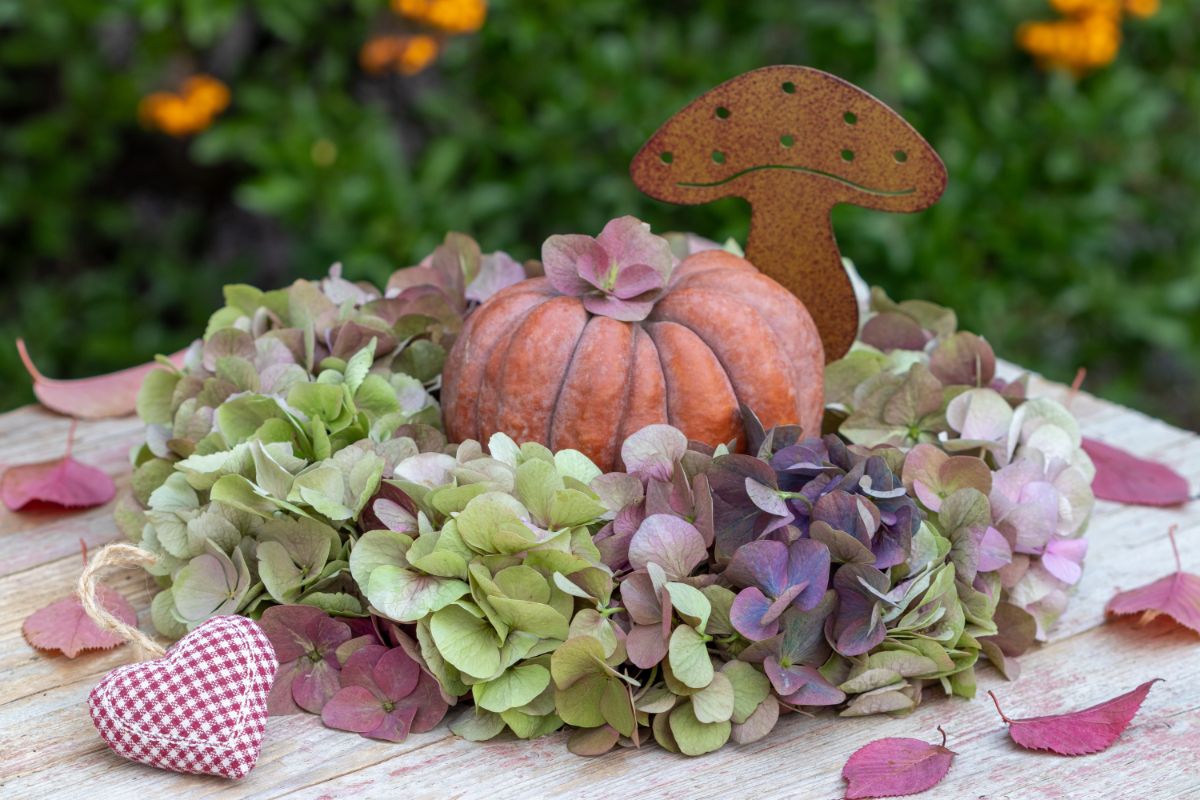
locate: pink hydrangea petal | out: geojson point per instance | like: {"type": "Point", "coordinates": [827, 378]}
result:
{"type": "Point", "coordinates": [672, 543]}
{"type": "Point", "coordinates": [394, 726]}
{"type": "Point", "coordinates": [618, 309]}
{"type": "Point", "coordinates": [497, 271]}
{"type": "Point", "coordinates": [568, 259]}
{"type": "Point", "coordinates": [396, 674]}
{"type": "Point", "coordinates": [327, 633]}
{"type": "Point", "coordinates": [280, 702]}
{"type": "Point", "coordinates": [287, 628]}
{"type": "Point", "coordinates": [313, 687]}
{"type": "Point", "coordinates": [359, 669]}
{"type": "Point", "coordinates": [930, 498]}
{"type": "Point", "coordinates": [640, 600]}
{"type": "Point", "coordinates": [994, 551]}
{"type": "Point", "coordinates": [1064, 558]}
{"type": "Point", "coordinates": [636, 279]}
{"type": "Point", "coordinates": [353, 709]}
{"type": "Point", "coordinates": [629, 241]}
{"type": "Point", "coordinates": [427, 699]}
{"type": "Point", "coordinates": [646, 645]}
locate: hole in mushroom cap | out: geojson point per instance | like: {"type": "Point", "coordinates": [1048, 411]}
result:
{"type": "Point", "coordinates": [850, 117]}
{"type": "Point", "coordinates": [787, 140]}
{"type": "Point", "coordinates": [789, 87]}
{"type": "Point", "coordinates": [900, 156]}
{"type": "Point", "coordinates": [666, 156]}
{"type": "Point", "coordinates": [847, 155]}
{"type": "Point", "coordinates": [718, 157]}
{"type": "Point", "coordinates": [722, 112]}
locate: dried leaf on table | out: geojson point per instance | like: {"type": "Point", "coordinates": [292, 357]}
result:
{"type": "Point", "coordinates": [1078, 733]}
{"type": "Point", "coordinates": [1176, 595]}
{"type": "Point", "coordinates": [111, 395]}
{"type": "Point", "coordinates": [1124, 478]}
{"type": "Point", "coordinates": [896, 766]}
{"type": "Point", "coordinates": [62, 482]}
{"type": "Point", "coordinates": [64, 626]}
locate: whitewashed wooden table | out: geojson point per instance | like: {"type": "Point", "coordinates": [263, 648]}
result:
{"type": "Point", "coordinates": [49, 749]}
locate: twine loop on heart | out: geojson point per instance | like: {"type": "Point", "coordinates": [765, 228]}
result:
{"type": "Point", "coordinates": [116, 556]}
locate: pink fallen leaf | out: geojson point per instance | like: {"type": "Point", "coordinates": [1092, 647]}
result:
{"type": "Point", "coordinates": [1176, 595]}
{"type": "Point", "coordinates": [62, 482]}
{"type": "Point", "coordinates": [896, 766]}
{"type": "Point", "coordinates": [64, 626]}
{"type": "Point", "coordinates": [1079, 732]}
{"type": "Point", "coordinates": [1124, 478]}
{"type": "Point", "coordinates": [111, 395]}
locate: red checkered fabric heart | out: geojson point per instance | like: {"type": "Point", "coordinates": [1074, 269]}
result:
{"type": "Point", "coordinates": [201, 708]}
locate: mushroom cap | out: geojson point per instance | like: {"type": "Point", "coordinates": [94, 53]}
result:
{"type": "Point", "coordinates": [790, 131]}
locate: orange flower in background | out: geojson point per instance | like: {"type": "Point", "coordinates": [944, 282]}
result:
{"type": "Point", "coordinates": [1142, 8]}
{"type": "Point", "coordinates": [1086, 38]}
{"type": "Point", "coordinates": [450, 16]}
{"type": "Point", "coordinates": [411, 53]}
{"type": "Point", "coordinates": [204, 92]}
{"type": "Point", "coordinates": [406, 54]}
{"type": "Point", "coordinates": [200, 99]}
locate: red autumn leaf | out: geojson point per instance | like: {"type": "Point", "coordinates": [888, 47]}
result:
{"type": "Point", "coordinates": [1177, 595]}
{"type": "Point", "coordinates": [1124, 478]}
{"type": "Point", "coordinates": [1078, 732]}
{"type": "Point", "coordinates": [63, 482]}
{"type": "Point", "coordinates": [64, 626]}
{"type": "Point", "coordinates": [111, 395]}
{"type": "Point", "coordinates": [896, 766]}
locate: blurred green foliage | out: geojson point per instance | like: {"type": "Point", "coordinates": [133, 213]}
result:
{"type": "Point", "coordinates": [1069, 234]}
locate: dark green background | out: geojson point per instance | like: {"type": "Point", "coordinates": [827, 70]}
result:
{"type": "Point", "coordinates": [1069, 234]}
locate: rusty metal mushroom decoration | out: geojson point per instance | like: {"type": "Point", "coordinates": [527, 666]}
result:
{"type": "Point", "coordinates": [794, 142]}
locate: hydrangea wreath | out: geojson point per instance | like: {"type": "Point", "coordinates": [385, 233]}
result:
{"type": "Point", "coordinates": [294, 472]}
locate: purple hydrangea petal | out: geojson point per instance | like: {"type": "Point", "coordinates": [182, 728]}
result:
{"type": "Point", "coordinates": [762, 564]}
{"type": "Point", "coordinates": [808, 566]}
{"type": "Point", "coordinates": [749, 608]}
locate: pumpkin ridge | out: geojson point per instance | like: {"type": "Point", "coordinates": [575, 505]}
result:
{"type": "Point", "coordinates": [796, 340]}
{"type": "Point", "coordinates": [747, 311]}
{"type": "Point", "coordinates": [566, 373]}
{"type": "Point", "coordinates": [503, 337]}
{"type": "Point", "coordinates": [504, 388]}
{"type": "Point", "coordinates": [636, 328]}
{"type": "Point", "coordinates": [686, 424]}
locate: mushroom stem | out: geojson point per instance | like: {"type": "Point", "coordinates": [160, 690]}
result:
{"type": "Point", "coordinates": [815, 275]}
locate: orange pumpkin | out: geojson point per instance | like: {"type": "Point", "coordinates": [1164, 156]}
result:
{"type": "Point", "coordinates": [538, 366]}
